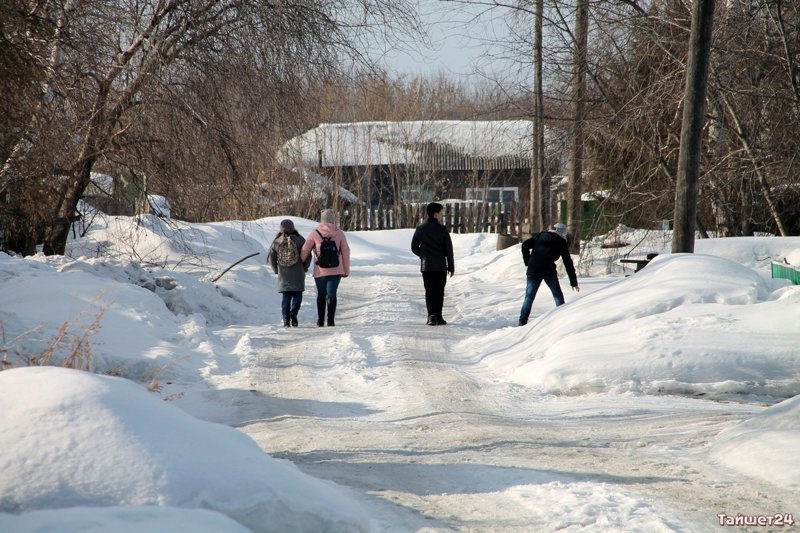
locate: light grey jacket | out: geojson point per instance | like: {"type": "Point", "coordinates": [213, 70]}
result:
{"type": "Point", "coordinates": [291, 278]}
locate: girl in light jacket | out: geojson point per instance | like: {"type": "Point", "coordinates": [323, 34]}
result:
{"type": "Point", "coordinates": [327, 279]}
{"type": "Point", "coordinates": [291, 279]}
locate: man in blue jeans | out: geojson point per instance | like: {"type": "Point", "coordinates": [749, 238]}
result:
{"type": "Point", "coordinates": [540, 254]}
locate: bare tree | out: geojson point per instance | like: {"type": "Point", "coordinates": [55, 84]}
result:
{"type": "Point", "coordinates": [116, 63]}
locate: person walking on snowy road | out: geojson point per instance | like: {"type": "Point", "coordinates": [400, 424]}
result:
{"type": "Point", "coordinates": [284, 257]}
{"type": "Point", "coordinates": [432, 244]}
{"type": "Point", "coordinates": [331, 264]}
{"type": "Point", "coordinates": [540, 253]}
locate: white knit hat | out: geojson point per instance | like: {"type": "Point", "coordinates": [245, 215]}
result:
{"type": "Point", "coordinates": [561, 229]}
{"type": "Point", "coordinates": [327, 215]}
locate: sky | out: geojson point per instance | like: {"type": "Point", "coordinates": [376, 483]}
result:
{"type": "Point", "coordinates": [666, 400]}
{"type": "Point", "coordinates": [460, 37]}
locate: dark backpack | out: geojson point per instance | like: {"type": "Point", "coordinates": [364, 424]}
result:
{"type": "Point", "coordinates": [288, 255]}
{"type": "Point", "coordinates": [328, 253]}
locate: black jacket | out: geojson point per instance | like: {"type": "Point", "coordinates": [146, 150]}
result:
{"type": "Point", "coordinates": [541, 252]}
{"type": "Point", "coordinates": [432, 244]}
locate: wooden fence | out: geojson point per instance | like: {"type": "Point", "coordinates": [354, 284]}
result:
{"type": "Point", "coordinates": [466, 217]}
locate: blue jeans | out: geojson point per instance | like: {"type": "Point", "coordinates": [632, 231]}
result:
{"type": "Point", "coordinates": [327, 286]}
{"type": "Point", "coordinates": [290, 305]}
{"type": "Point", "coordinates": [530, 293]}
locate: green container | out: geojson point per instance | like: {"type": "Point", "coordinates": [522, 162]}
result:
{"type": "Point", "coordinates": [783, 271]}
{"type": "Point", "coordinates": [593, 218]}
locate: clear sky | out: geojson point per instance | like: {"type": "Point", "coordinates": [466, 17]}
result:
{"type": "Point", "coordinates": [461, 37]}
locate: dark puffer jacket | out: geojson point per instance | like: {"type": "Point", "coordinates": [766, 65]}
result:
{"type": "Point", "coordinates": [541, 252]}
{"type": "Point", "coordinates": [432, 244]}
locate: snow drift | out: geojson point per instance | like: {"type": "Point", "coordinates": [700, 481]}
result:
{"type": "Point", "coordinates": [72, 438]}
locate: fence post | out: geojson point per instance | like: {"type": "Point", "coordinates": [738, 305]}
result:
{"type": "Point", "coordinates": [514, 209]}
{"type": "Point", "coordinates": [471, 221]}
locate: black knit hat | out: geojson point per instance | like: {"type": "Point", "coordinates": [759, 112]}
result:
{"type": "Point", "coordinates": [287, 226]}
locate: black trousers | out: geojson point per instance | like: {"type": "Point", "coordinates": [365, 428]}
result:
{"type": "Point", "coordinates": [434, 291]}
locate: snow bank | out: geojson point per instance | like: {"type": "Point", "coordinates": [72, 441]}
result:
{"type": "Point", "coordinates": [764, 446]}
{"type": "Point", "coordinates": [687, 324]}
{"type": "Point", "coordinates": [194, 248]}
{"type": "Point", "coordinates": [601, 255]}
{"type": "Point", "coordinates": [754, 252]}
{"type": "Point", "coordinates": [129, 321]}
{"type": "Point", "coordinates": [121, 520]}
{"type": "Point", "coordinates": [72, 438]}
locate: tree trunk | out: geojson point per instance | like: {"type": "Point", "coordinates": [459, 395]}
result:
{"type": "Point", "coordinates": [576, 149]}
{"type": "Point", "coordinates": [792, 69]}
{"type": "Point", "coordinates": [692, 127]}
{"type": "Point", "coordinates": [537, 211]}
{"type": "Point", "coordinates": [23, 145]}
{"type": "Point", "coordinates": [746, 228]}
{"type": "Point", "coordinates": [57, 231]}
{"type": "Point", "coordinates": [763, 182]}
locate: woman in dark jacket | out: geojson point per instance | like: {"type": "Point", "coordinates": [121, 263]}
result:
{"type": "Point", "coordinates": [291, 278]}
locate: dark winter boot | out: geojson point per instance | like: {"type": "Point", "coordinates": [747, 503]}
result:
{"type": "Point", "coordinates": [293, 318]}
{"type": "Point", "coordinates": [320, 312]}
{"type": "Point", "coordinates": [331, 310]}
{"type": "Point", "coordinates": [431, 320]}
{"type": "Point", "coordinates": [286, 322]}
{"type": "Point", "coordinates": [440, 321]}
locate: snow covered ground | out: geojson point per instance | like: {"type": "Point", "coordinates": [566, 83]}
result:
{"type": "Point", "coordinates": [662, 401]}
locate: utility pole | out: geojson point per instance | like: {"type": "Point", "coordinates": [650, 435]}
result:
{"type": "Point", "coordinates": [537, 210]}
{"type": "Point", "coordinates": [692, 127]}
{"type": "Point", "coordinates": [576, 148]}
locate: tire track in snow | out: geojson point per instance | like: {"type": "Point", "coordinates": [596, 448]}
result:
{"type": "Point", "coordinates": [382, 404]}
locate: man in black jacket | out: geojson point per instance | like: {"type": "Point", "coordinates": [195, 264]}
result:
{"type": "Point", "coordinates": [540, 254]}
{"type": "Point", "coordinates": [432, 244]}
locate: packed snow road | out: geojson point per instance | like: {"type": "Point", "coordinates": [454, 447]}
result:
{"type": "Point", "coordinates": [427, 438]}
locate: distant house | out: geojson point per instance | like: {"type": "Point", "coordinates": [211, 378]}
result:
{"type": "Point", "coordinates": [311, 189]}
{"type": "Point", "coordinates": [386, 163]}
{"type": "Point", "coordinates": [114, 195]}
{"type": "Point", "coordinates": [123, 195]}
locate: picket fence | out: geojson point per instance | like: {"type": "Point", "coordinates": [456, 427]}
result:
{"type": "Point", "coordinates": [466, 217]}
